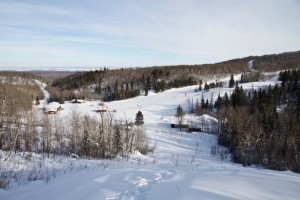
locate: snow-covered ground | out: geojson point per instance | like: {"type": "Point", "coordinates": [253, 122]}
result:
{"type": "Point", "coordinates": [45, 92]}
{"type": "Point", "coordinates": [182, 166]}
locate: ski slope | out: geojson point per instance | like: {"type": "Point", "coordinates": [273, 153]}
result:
{"type": "Point", "coordinates": [182, 166]}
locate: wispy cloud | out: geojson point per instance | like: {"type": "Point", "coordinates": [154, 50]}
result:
{"type": "Point", "coordinates": [128, 32]}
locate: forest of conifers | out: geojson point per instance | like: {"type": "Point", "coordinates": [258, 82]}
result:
{"type": "Point", "coordinates": [262, 127]}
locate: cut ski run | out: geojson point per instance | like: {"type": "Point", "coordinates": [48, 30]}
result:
{"type": "Point", "coordinates": [181, 167]}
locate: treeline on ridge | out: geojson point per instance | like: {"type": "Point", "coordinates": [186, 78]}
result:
{"type": "Point", "coordinates": [126, 83]}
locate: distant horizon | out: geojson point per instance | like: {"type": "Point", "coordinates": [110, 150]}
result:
{"type": "Point", "coordinates": [63, 33]}
{"type": "Point", "coordinates": [93, 68]}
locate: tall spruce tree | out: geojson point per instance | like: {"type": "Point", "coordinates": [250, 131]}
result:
{"type": "Point", "coordinates": [117, 142]}
{"type": "Point", "coordinates": [37, 101]}
{"type": "Point", "coordinates": [139, 119]}
{"type": "Point", "coordinates": [231, 81]}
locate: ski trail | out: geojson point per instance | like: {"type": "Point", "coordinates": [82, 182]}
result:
{"type": "Point", "coordinates": [45, 92]}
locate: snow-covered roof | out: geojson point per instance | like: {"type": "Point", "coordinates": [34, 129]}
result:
{"type": "Point", "coordinates": [78, 101]}
{"type": "Point", "coordinates": [52, 107]}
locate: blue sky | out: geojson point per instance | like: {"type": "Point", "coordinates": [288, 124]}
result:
{"type": "Point", "coordinates": [97, 33]}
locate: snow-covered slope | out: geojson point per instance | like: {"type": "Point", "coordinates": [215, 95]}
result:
{"type": "Point", "coordinates": [182, 166]}
{"type": "Point", "coordinates": [45, 92]}
{"type": "Point", "coordinates": [250, 65]}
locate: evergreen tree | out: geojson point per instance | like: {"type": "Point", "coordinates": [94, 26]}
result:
{"type": "Point", "coordinates": [298, 104]}
{"type": "Point", "coordinates": [117, 141]}
{"type": "Point", "coordinates": [139, 119]}
{"type": "Point", "coordinates": [206, 105]}
{"type": "Point", "coordinates": [219, 102]}
{"type": "Point", "coordinates": [202, 102]}
{"type": "Point", "coordinates": [61, 101]}
{"type": "Point", "coordinates": [146, 92]}
{"type": "Point", "coordinates": [198, 107]}
{"type": "Point", "coordinates": [238, 97]}
{"type": "Point", "coordinates": [85, 143]}
{"type": "Point", "coordinates": [147, 85]}
{"type": "Point", "coordinates": [37, 101]}
{"type": "Point", "coordinates": [231, 81]}
{"type": "Point", "coordinates": [226, 100]}
{"type": "Point", "coordinates": [200, 88]}
{"type": "Point", "coordinates": [206, 87]}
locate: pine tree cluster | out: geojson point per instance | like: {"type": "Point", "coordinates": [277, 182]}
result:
{"type": "Point", "coordinates": [262, 127]}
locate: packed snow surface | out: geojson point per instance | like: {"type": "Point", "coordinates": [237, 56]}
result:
{"type": "Point", "coordinates": [182, 166]}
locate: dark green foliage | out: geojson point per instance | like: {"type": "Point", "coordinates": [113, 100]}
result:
{"type": "Point", "coordinates": [289, 75]}
{"type": "Point", "coordinates": [61, 101]}
{"type": "Point", "coordinates": [206, 87]}
{"type": "Point", "coordinates": [161, 85]}
{"type": "Point", "coordinates": [37, 101]}
{"type": "Point", "coordinates": [251, 77]}
{"type": "Point", "coordinates": [298, 104]}
{"type": "Point", "coordinates": [115, 96]}
{"type": "Point", "coordinates": [219, 102]}
{"type": "Point", "coordinates": [256, 133]}
{"type": "Point", "coordinates": [238, 97]}
{"type": "Point", "coordinates": [226, 100]}
{"type": "Point", "coordinates": [212, 85]}
{"type": "Point", "coordinates": [139, 118]}
{"type": "Point", "coordinates": [147, 86]}
{"type": "Point", "coordinates": [231, 81]}
{"type": "Point", "coordinates": [56, 99]}
{"type": "Point", "coordinates": [117, 141]}
{"type": "Point", "coordinates": [179, 111]}
{"type": "Point", "coordinates": [85, 143]}
{"type": "Point", "coordinates": [290, 79]}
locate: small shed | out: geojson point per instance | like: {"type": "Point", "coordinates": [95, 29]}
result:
{"type": "Point", "coordinates": [101, 110]}
{"type": "Point", "coordinates": [183, 127]}
{"type": "Point", "coordinates": [179, 126]}
{"type": "Point", "coordinates": [52, 108]}
{"type": "Point", "coordinates": [194, 129]}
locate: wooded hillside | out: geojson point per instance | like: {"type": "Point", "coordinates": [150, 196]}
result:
{"type": "Point", "coordinates": [126, 83]}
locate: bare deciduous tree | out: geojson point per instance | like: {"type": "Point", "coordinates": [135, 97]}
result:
{"type": "Point", "coordinates": [180, 116]}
